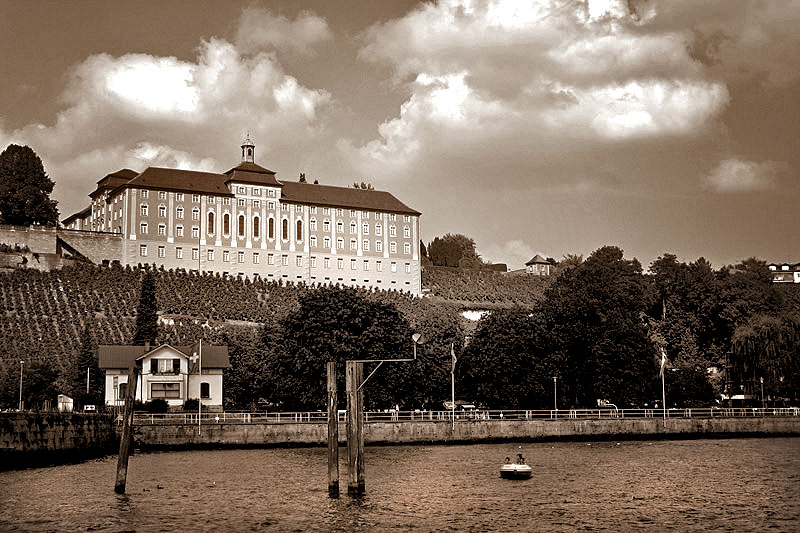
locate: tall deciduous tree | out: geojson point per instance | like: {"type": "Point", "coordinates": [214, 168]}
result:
{"type": "Point", "coordinates": [87, 366]}
{"type": "Point", "coordinates": [146, 313]}
{"type": "Point", "coordinates": [454, 250]}
{"type": "Point", "coordinates": [25, 189]}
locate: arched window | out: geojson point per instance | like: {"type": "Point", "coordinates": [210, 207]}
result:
{"type": "Point", "coordinates": [299, 234]}
{"type": "Point", "coordinates": [285, 229]}
{"type": "Point", "coordinates": [271, 228]}
{"type": "Point", "coordinates": [211, 222]}
{"type": "Point", "coordinates": [226, 224]}
{"type": "Point", "coordinates": [256, 227]}
{"type": "Point", "coordinates": [241, 225]}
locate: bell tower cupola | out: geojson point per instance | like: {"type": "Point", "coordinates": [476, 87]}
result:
{"type": "Point", "coordinates": [248, 150]}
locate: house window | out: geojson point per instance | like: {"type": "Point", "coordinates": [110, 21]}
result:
{"type": "Point", "coordinates": [179, 212]}
{"type": "Point", "coordinates": [270, 259]}
{"type": "Point", "coordinates": [205, 390]}
{"type": "Point", "coordinates": [285, 260]}
{"type": "Point", "coordinates": [313, 241]}
{"type": "Point", "coordinates": [240, 256]}
{"type": "Point", "coordinates": [407, 248]}
{"type": "Point", "coordinates": [352, 226]}
{"type": "Point", "coordinates": [327, 262]}
{"type": "Point", "coordinates": [339, 226]}
{"type": "Point", "coordinates": [352, 264]}
{"type": "Point", "coordinates": [195, 232]}
{"type": "Point", "coordinates": [162, 195]}
{"type": "Point", "coordinates": [210, 255]}
{"type": "Point", "coordinates": [406, 232]}
{"type": "Point", "coordinates": [143, 210]}
{"type": "Point", "coordinates": [241, 226]}
{"type": "Point", "coordinates": [378, 266]}
{"type": "Point", "coordinates": [162, 211]}
{"type": "Point", "coordinates": [196, 198]}
{"type": "Point", "coordinates": [256, 258]}
{"type": "Point", "coordinates": [366, 264]}
{"type": "Point", "coordinates": [378, 230]}
{"type": "Point", "coordinates": [196, 213]}
{"type": "Point", "coordinates": [271, 228]}
{"type": "Point", "coordinates": [299, 234]}
{"type": "Point", "coordinates": [299, 260]}
{"type": "Point", "coordinates": [353, 244]}
{"type": "Point", "coordinates": [162, 252]}
{"type": "Point", "coordinates": [326, 225]}
{"type": "Point", "coordinates": [408, 268]}
{"type": "Point", "coordinates": [393, 247]}
{"type": "Point", "coordinates": [179, 231]}
{"type": "Point", "coordinates": [226, 224]}
{"type": "Point", "coordinates": [365, 228]}
{"type": "Point", "coordinates": [195, 254]}
{"type": "Point", "coordinates": [178, 253]}
{"type": "Point", "coordinates": [210, 218]}
{"type": "Point", "coordinates": [226, 256]}
{"type": "Point", "coordinates": [365, 245]}
{"type": "Point", "coordinates": [122, 389]}
{"type": "Point", "coordinates": [256, 227]}
{"type": "Point", "coordinates": [162, 229]}
{"type": "Point", "coordinates": [143, 250]}
{"type": "Point", "coordinates": [165, 390]}
{"type": "Point", "coordinates": [313, 223]}
{"type": "Point", "coordinates": [339, 263]}
{"type": "Point", "coordinates": [165, 366]}
{"type": "Point", "coordinates": [326, 242]}
{"type": "Point", "coordinates": [313, 262]}
{"type": "Point", "coordinates": [392, 231]}
{"type": "Point", "coordinates": [378, 246]}
{"type": "Point", "coordinates": [143, 228]}
{"type": "Point", "coordinates": [340, 243]}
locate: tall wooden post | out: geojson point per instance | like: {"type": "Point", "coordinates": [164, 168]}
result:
{"type": "Point", "coordinates": [333, 433]}
{"type": "Point", "coordinates": [127, 422]}
{"type": "Point", "coordinates": [355, 448]}
{"type": "Point", "coordinates": [360, 425]}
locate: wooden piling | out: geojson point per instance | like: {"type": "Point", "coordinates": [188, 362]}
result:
{"type": "Point", "coordinates": [355, 468]}
{"type": "Point", "coordinates": [127, 422]}
{"type": "Point", "coordinates": [333, 433]}
{"type": "Point", "coordinates": [360, 430]}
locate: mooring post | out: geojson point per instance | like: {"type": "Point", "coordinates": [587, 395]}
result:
{"type": "Point", "coordinates": [354, 458]}
{"type": "Point", "coordinates": [127, 422]}
{"type": "Point", "coordinates": [333, 433]}
{"type": "Point", "coordinates": [360, 431]}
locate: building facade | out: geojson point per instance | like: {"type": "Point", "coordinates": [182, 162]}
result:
{"type": "Point", "coordinates": [246, 222]}
{"type": "Point", "coordinates": [538, 266]}
{"type": "Point", "coordinates": [785, 272]}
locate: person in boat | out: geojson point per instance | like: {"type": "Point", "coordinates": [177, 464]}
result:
{"type": "Point", "coordinates": [508, 460]}
{"type": "Point", "coordinates": [520, 459]}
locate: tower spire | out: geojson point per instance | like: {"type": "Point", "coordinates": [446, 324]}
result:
{"type": "Point", "coordinates": [248, 150]}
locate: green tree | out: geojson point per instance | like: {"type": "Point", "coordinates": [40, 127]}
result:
{"type": "Point", "coordinates": [25, 189]}
{"type": "Point", "coordinates": [86, 359]}
{"type": "Point", "coordinates": [146, 313]}
{"type": "Point", "coordinates": [454, 250]}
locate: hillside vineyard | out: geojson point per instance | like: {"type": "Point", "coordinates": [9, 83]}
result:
{"type": "Point", "coordinates": [246, 222]}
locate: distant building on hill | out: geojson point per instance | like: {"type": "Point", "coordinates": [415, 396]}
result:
{"type": "Point", "coordinates": [785, 272]}
{"type": "Point", "coordinates": [171, 373]}
{"type": "Point", "coordinates": [538, 266]}
{"type": "Point", "coordinates": [247, 222]}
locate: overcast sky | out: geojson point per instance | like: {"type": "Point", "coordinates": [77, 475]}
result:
{"type": "Point", "coordinates": [550, 127]}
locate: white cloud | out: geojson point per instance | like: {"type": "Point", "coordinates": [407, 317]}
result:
{"type": "Point", "coordinates": [736, 176]}
{"type": "Point", "coordinates": [259, 29]}
{"type": "Point", "coordinates": [514, 253]}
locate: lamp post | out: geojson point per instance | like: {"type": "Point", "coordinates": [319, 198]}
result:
{"type": "Point", "coordinates": [555, 393]}
{"type": "Point", "coordinates": [763, 405]}
{"type": "Point", "coordinates": [21, 364]}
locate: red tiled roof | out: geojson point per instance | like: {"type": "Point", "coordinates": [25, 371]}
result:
{"type": "Point", "coordinates": [173, 179]}
{"type": "Point", "coordinates": [113, 180]}
{"type": "Point", "coordinates": [247, 172]}
{"type": "Point", "coordinates": [350, 197]}
{"type": "Point", "coordinates": [80, 214]}
{"type": "Point", "coordinates": [537, 259]}
{"type": "Point", "coordinates": [116, 356]}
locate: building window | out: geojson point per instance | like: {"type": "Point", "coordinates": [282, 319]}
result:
{"type": "Point", "coordinates": [393, 217]}
{"type": "Point", "coordinates": [313, 224]}
{"type": "Point", "coordinates": [326, 242]}
{"type": "Point", "coordinates": [241, 226]}
{"type": "Point", "coordinates": [406, 232]}
{"type": "Point", "coordinates": [326, 225]}
{"type": "Point", "coordinates": [353, 213]}
{"type": "Point", "coordinates": [340, 263]}
{"type": "Point", "coordinates": [271, 228]}
{"type": "Point", "coordinates": [340, 243]}
{"type": "Point", "coordinates": [352, 226]}
{"type": "Point", "coordinates": [196, 213]}
{"type": "Point", "coordinates": [271, 205]}
{"type": "Point", "coordinates": [285, 229]}
{"type": "Point", "coordinates": [406, 218]}
{"type": "Point", "coordinates": [313, 241]}
{"type": "Point", "coordinates": [144, 194]}
{"type": "Point", "coordinates": [162, 211]}
{"type": "Point", "coordinates": [312, 209]}
{"type": "Point", "coordinates": [365, 228]}
{"type": "Point", "coordinates": [394, 266]}
{"type": "Point", "coordinates": [353, 245]}
{"type": "Point", "coordinates": [210, 224]}
{"type": "Point", "coordinates": [162, 252]}
{"type": "Point", "coordinates": [241, 202]}
{"type": "Point", "coordinates": [313, 262]}
{"type": "Point", "coordinates": [256, 204]}
{"type": "Point", "coordinates": [195, 254]}
{"type": "Point", "coordinates": [226, 201]}
{"type": "Point", "coordinates": [407, 248]}
{"type": "Point", "coordinates": [365, 245]}
{"type": "Point", "coordinates": [299, 234]}
{"type": "Point", "coordinates": [378, 246]}
{"type": "Point", "coordinates": [205, 390]}
{"type": "Point", "coordinates": [284, 207]}
{"type": "Point", "coordinates": [285, 260]}
{"type": "Point", "coordinates": [352, 264]}
{"type": "Point", "coordinates": [326, 210]}
{"type": "Point", "coordinates": [179, 231]}
{"type": "Point", "coordinates": [256, 227]}
{"type": "Point", "coordinates": [378, 229]}
{"type": "Point", "coordinates": [270, 259]}
{"type": "Point", "coordinates": [366, 264]}
{"type": "Point", "coordinates": [378, 266]}
{"type": "Point", "coordinates": [392, 231]}
{"type": "Point", "coordinates": [165, 390]}
{"type": "Point", "coordinates": [256, 258]}
{"type": "Point", "coordinates": [179, 196]}
{"type": "Point", "coordinates": [408, 268]}
{"type": "Point", "coordinates": [339, 212]}
{"type": "Point", "coordinates": [365, 214]}
{"type": "Point", "coordinates": [210, 255]}
{"type": "Point", "coordinates": [196, 198]}
{"type": "Point", "coordinates": [162, 229]}
{"type": "Point", "coordinates": [143, 210]}
{"type": "Point", "coordinates": [178, 253]}
{"type": "Point", "coordinates": [339, 226]}
{"type": "Point", "coordinates": [195, 232]}
{"type": "Point", "coordinates": [241, 190]}
{"type": "Point", "coordinates": [226, 224]}
{"type": "Point", "coordinates": [226, 256]}
{"type": "Point", "coordinates": [327, 262]}
{"type": "Point", "coordinates": [162, 195]}
{"type": "Point", "coordinates": [256, 191]}
{"type": "Point", "coordinates": [240, 256]}
{"type": "Point", "coordinates": [143, 228]}
{"type": "Point", "coordinates": [143, 250]}
{"type": "Point", "coordinates": [299, 260]}
{"type": "Point", "coordinates": [179, 212]}
{"type": "Point", "coordinates": [392, 247]}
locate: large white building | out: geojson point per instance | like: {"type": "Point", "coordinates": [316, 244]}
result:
{"type": "Point", "coordinates": [247, 222]}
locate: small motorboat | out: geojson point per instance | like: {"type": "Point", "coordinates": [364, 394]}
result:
{"type": "Point", "coordinates": [517, 470]}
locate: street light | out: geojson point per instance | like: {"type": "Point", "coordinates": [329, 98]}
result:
{"type": "Point", "coordinates": [555, 393]}
{"type": "Point", "coordinates": [763, 405]}
{"type": "Point", "coordinates": [21, 363]}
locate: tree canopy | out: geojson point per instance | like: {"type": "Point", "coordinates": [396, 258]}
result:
{"type": "Point", "coordinates": [454, 250]}
{"type": "Point", "coordinates": [25, 189]}
{"type": "Point", "coordinates": [146, 313]}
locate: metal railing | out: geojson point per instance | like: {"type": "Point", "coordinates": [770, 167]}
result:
{"type": "Point", "coordinates": [478, 415]}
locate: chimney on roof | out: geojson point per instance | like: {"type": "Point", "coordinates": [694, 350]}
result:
{"type": "Point", "coordinates": [302, 177]}
{"type": "Point", "coordinates": [146, 346]}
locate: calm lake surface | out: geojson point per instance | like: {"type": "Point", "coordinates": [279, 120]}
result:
{"type": "Point", "coordinates": [709, 485]}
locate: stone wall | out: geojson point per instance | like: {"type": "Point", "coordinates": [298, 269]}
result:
{"type": "Point", "coordinates": [95, 246]}
{"type": "Point", "coordinates": [225, 434]}
{"type": "Point", "coordinates": [40, 239]}
{"type": "Point", "coordinates": [30, 439]}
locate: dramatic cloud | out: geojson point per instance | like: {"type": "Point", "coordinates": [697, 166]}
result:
{"type": "Point", "coordinates": [514, 253]}
{"type": "Point", "coordinates": [259, 29]}
{"type": "Point", "coordinates": [736, 176]}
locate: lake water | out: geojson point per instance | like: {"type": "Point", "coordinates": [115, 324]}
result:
{"type": "Point", "coordinates": [709, 485]}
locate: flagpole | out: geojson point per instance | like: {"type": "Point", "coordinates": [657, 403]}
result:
{"type": "Point", "coordinates": [453, 385]}
{"type": "Point", "coordinates": [199, 384]}
{"type": "Point", "coordinates": [663, 388]}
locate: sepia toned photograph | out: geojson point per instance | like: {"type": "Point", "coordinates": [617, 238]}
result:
{"type": "Point", "coordinates": [399, 265]}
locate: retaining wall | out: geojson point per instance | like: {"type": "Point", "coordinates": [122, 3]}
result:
{"type": "Point", "coordinates": [30, 439]}
{"type": "Point", "coordinates": [313, 434]}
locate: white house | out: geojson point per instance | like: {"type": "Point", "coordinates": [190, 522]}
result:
{"type": "Point", "coordinates": [173, 373]}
